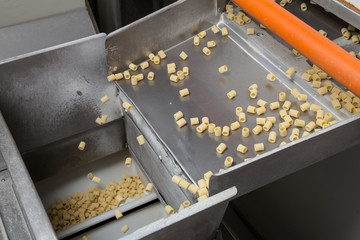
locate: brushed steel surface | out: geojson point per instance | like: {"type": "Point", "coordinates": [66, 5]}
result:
{"type": "Point", "coordinates": [57, 92]}
{"type": "Point", "coordinates": [2, 162]}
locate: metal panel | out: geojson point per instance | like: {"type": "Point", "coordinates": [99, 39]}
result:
{"type": "Point", "coordinates": [29, 201]}
{"type": "Point", "coordinates": [57, 92]}
{"type": "Point", "coordinates": [178, 22]}
{"type": "Point", "coordinates": [46, 32]}
{"type": "Point", "coordinates": [198, 221]}
{"type": "Point", "coordinates": [2, 162]}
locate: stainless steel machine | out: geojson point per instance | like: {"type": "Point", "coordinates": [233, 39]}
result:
{"type": "Point", "coordinates": [49, 100]}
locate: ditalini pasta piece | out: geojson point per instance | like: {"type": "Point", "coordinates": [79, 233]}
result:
{"type": "Point", "coordinates": [316, 77]}
{"type": "Point", "coordinates": [144, 65]}
{"type": "Point", "coordinates": [294, 92]}
{"type": "Point", "coordinates": [140, 76]}
{"type": "Point", "coordinates": [295, 52]}
{"type": "Point", "coordinates": [118, 214]}
{"type": "Point", "coordinates": [253, 87]}
{"type": "Point", "coordinates": [286, 105]}
{"type": "Point", "coordinates": [169, 210]}
{"type": "Point", "coordinates": [274, 105]}
{"type": "Point", "coordinates": [215, 29]}
{"type": "Point", "coordinates": [206, 51]}
{"type": "Point", "coordinates": [241, 148]}
{"type": "Point", "coordinates": [303, 7]}
{"type": "Point", "coordinates": [223, 69]}
{"type": "Point", "coordinates": [334, 96]}
{"type": "Point", "coordinates": [310, 126]}
{"type": "Point", "coordinates": [320, 122]}
{"type": "Point", "coordinates": [133, 67]}
{"type": "Point", "coordinates": [336, 104]}
{"type": "Point", "coordinates": [305, 133]}
{"type": "Point", "coordinates": [282, 131]}
{"type": "Point", "coordinates": [151, 57]}
{"type": "Point", "coordinates": [140, 139]}
{"type": "Point", "coordinates": [283, 3]}
{"type": "Point", "coordinates": [260, 121]}
{"type": "Point", "coordinates": [211, 44]}
{"type": "Point", "coordinates": [184, 92]}
{"type": "Point", "coordinates": [282, 143]}
{"type": "Point", "coordinates": [314, 107]}
{"type": "Point", "coordinates": [295, 131]}
{"type": "Point", "coordinates": [259, 147]}
{"type": "Point", "coordinates": [184, 184]}
{"type": "Point", "coordinates": [267, 126]}
{"type": "Point", "coordinates": [194, 121]}
{"type": "Point", "coordinates": [226, 131]}
{"type": "Point", "coordinates": [245, 132]}
{"type": "Point", "coordinates": [320, 114]}
{"type": "Point", "coordinates": [221, 148]}
{"type": "Point", "coordinates": [224, 31]}
{"type": "Point", "coordinates": [257, 129]}
{"type": "Point", "coordinates": [282, 96]}
{"type": "Point", "coordinates": [125, 228]}
{"type": "Point", "coordinates": [205, 120]}
{"type": "Point", "coordinates": [208, 174]}
{"type": "Point", "coordinates": [174, 78]}
{"type": "Point", "coordinates": [242, 117]}
{"type": "Point", "coordinates": [185, 71]}
{"type": "Point", "coordinates": [202, 34]}
{"type": "Point", "coordinates": [194, 189]}
{"type": "Point", "coordinates": [151, 76]}
{"type": "Point", "coordinates": [305, 106]}
{"type": "Point", "coordinates": [322, 32]}
{"type": "Point", "coordinates": [251, 109]}
{"type": "Point", "coordinates": [231, 94]}
{"type": "Point", "coordinates": [104, 119]}
{"type": "Point", "coordinates": [98, 121]}
{"type": "Point", "coordinates": [82, 145]}
{"type": "Point", "coordinates": [162, 54]}
{"type": "Point", "coordinates": [230, 16]}
{"type": "Point", "coordinates": [181, 122]}
{"type": "Point", "coordinates": [178, 115]}
{"type": "Point", "coordinates": [128, 162]}
{"type": "Point", "coordinates": [294, 113]}
{"type": "Point", "coordinates": [284, 124]}
{"type": "Point", "coordinates": [239, 110]}
{"type": "Point", "coordinates": [183, 55]}
{"type": "Point", "coordinates": [290, 72]}
{"type": "Point", "coordinates": [234, 126]}
{"type": "Point", "coordinates": [176, 179]}
{"type": "Point", "coordinates": [202, 127]}
{"type": "Point", "coordinates": [262, 103]}
{"type": "Point", "coordinates": [282, 113]}
{"type": "Point", "coordinates": [302, 97]}
{"type": "Point", "coordinates": [196, 41]}
{"type": "Point", "coordinates": [293, 138]}
{"type": "Point", "coordinates": [288, 119]}
{"type": "Point", "coordinates": [271, 119]}
{"type": "Point", "coordinates": [349, 107]}
{"type": "Point", "coordinates": [211, 128]}
{"type": "Point", "coordinates": [127, 74]}
{"type": "Point", "coordinates": [201, 183]}
{"type": "Point", "coordinates": [111, 77]}
{"type": "Point", "coordinates": [306, 77]}
{"type": "Point", "coordinates": [96, 180]}
{"type": "Point", "coordinates": [84, 238]}
{"type": "Point", "coordinates": [157, 60]}
{"type": "Point", "coordinates": [270, 77]}
{"type": "Point", "coordinates": [104, 99]}
{"type": "Point", "coordinates": [119, 76]}
{"type": "Point", "coordinates": [272, 137]}
{"type": "Point", "coordinates": [202, 198]}
{"type": "Point", "coordinates": [260, 110]}
{"type": "Point", "coordinates": [323, 90]}
{"type": "Point", "coordinates": [299, 123]}
{"type": "Point", "coordinates": [228, 161]}
{"type": "Point", "coordinates": [250, 31]}
{"type": "Point", "coordinates": [253, 93]}
{"type": "Point", "coordinates": [246, 19]}
{"type": "Point", "coordinates": [134, 80]}
{"type": "Point", "coordinates": [90, 176]}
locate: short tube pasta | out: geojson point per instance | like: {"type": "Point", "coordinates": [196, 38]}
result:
{"type": "Point", "coordinates": [305, 106]}
{"type": "Point", "coordinates": [282, 96]}
{"type": "Point", "coordinates": [178, 115]}
{"type": "Point", "coordinates": [242, 117]}
{"type": "Point", "coordinates": [294, 113]}
{"type": "Point", "coordinates": [272, 137]}
{"type": "Point", "coordinates": [104, 99]}
{"type": "Point", "coordinates": [270, 77]}
{"type": "Point", "coordinates": [194, 121]}
{"type": "Point", "coordinates": [251, 109]}
{"type": "Point", "coordinates": [217, 131]}
{"type": "Point", "coordinates": [228, 161]}
{"type": "Point", "coordinates": [196, 41]}
{"type": "Point", "coordinates": [201, 128]}
{"type": "Point", "coordinates": [310, 126]}
{"type": "Point", "coordinates": [211, 128]}
{"type": "Point", "coordinates": [183, 55]}
{"type": "Point", "coordinates": [231, 94]}
{"type": "Point", "coordinates": [210, 44]}
{"type": "Point", "coordinates": [286, 105]}
{"type": "Point", "coordinates": [241, 148]}
{"type": "Point", "coordinates": [260, 121]}
{"type": "Point", "coordinates": [226, 131]}
{"type": "Point", "coordinates": [128, 162]}
{"type": "Point", "coordinates": [234, 126]}
{"type": "Point", "coordinates": [169, 210]}
{"type": "Point", "coordinates": [262, 103]}
{"type": "Point", "coordinates": [274, 105]}
{"type": "Point", "coordinates": [184, 92]}
{"type": "Point", "coordinates": [290, 72]}
{"type": "Point", "coordinates": [133, 67]}
{"type": "Point", "coordinates": [299, 123]}
{"type": "Point", "coordinates": [245, 132]}
{"type": "Point", "coordinates": [82, 145]}
{"type": "Point", "coordinates": [253, 93]}
{"type": "Point", "coordinates": [162, 54]}
{"type": "Point", "coordinates": [221, 148]}
{"type": "Point", "coordinates": [151, 76]}
{"type": "Point", "coordinates": [193, 189]}
{"type": "Point", "coordinates": [202, 34]}
{"type": "Point", "coordinates": [206, 51]}
{"type": "Point", "coordinates": [127, 74]}
{"type": "Point", "coordinates": [184, 184]}
{"type": "Point", "coordinates": [144, 65]}
{"type": "Point", "coordinates": [259, 147]}
{"type": "Point", "coordinates": [257, 129]}
{"type": "Point", "coordinates": [302, 97]}
{"type": "Point", "coordinates": [181, 122]}
{"type": "Point", "coordinates": [267, 126]}
{"type": "Point", "coordinates": [141, 139]}
{"type": "Point", "coordinates": [223, 69]}
{"type": "Point", "coordinates": [224, 31]}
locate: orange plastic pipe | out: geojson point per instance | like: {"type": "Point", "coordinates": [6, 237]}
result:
{"type": "Point", "coordinates": [318, 49]}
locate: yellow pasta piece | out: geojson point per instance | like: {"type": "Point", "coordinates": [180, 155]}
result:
{"type": "Point", "coordinates": [271, 119]}
{"type": "Point", "coordinates": [260, 110]}
{"type": "Point", "coordinates": [211, 128]}
{"type": "Point", "coordinates": [246, 19]}
{"type": "Point", "coordinates": [282, 143]}
{"type": "Point", "coordinates": [174, 78]}
{"type": "Point", "coordinates": [202, 34]}
{"type": "Point", "coordinates": [140, 76]}
{"type": "Point", "coordinates": [111, 77]}
{"type": "Point", "coordinates": [96, 180]}
{"type": "Point", "coordinates": [242, 117]}
{"type": "Point", "coordinates": [183, 55]}
{"type": "Point", "coordinates": [259, 147]}
{"type": "Point", "coordinates": [178, 115]}
{"type": "Point", "coordinates": [224, 31]}
{"type": "Point", "coordinates": [104, 99]}
{"type": "Point", "coordinates": [303, 7]}
{"type": "Point", "coordinates": [322, 90]}
{"type": "Point", "coordinates": [293, 138]}
{"type": "Point", "coordinates": [226, 131]}
{"type": "Point", "coordinates": [210, 44]}
{"type": "Point", "coordinates": [270, 77]}
{"type": "Point", "coordinates": [355, 39]}
{"type": "Point", "coordinates": [274, 105]}
{"type": "Point", "coordinates": [157, 60]}
{"type": "Point", "coordinates": [272, 137]}
{"type": "Point", "coordinates": [356, 102]}
{"type": "Point", "coordinates": [286, 105]}
{"type": "Point", "coordinates": [140, 139]}
{"type": "Point", "coordinates": [295, 52]}
{"type": "Point", "coordinates": [176, 179]}
{"type": "Point", "coordinates": [150, 76]}
{"type": "Point", "coordinates": [180, 75]}
{"type": "Point", "coordinates": [310, 126]}
{"type": "Point", "coordinates": [245, 132]}
{"type": "Point", "coordinates": [127, 74]}
{"type": "Point", "coordinates": [282, 96]}
{"type": "Point", "coordinates": [262, 26]}
{"type": "Point", "coordinates": [262, 103]}
{"type": "Point", "coordinates": [119, 76]}
{"type": "Point", "coordinates": [282, 113]}
{"type": "Point", "coordinates": [234, 126]}
{"type": "Point", "coordinates": [208, 174]}
{"type": "Point", "coordinates": [253, 87]}
{"type": "Point", "coordinates": [350, 94]}
{"type": "Point", "coordinates": [320, 122]}
{"type": "Point", "coordinates": [253, 93]}
{"type": "Point", "coordinates": [306, 76]}
{"type": "Point", "coordinates": [128, 162]}
{"type": "Point", "coordinates": [288, 119]}
{"type": "Point", "coordinates": [241, 148]}
{"type": "Point", "coordinates": [162, 54]}
{"type": "Point", "coordinates": [202, 198]}
{"type": "Point", "coordinates": [134, 80]}
{"type": "Point", "coordinates": [314, 107]}
{"type": "Point", "coordinates": [320, 114]}
{"type": "Point", "coordinates": [231, 94]}
{"type": "Point", "coordinates": [144, 65]}
{"type": "Point", "coordinates": [205, 120]}
{"type": "Point", "coordinates": [82, 145]}
{"type": "Point", "coordinates": [185, 71]}
{"type": "Point", "coordinates": [283, 3]}
{"type": "Point", "coordinates": [257, 129]}
{"type": "Point", "coordinates": [184, 184]}
{"type": "Point", "coordinates": [295, 132]}
{"type": "Point", "coordinates": [349, 107]}
{"type": "Point", "coordinates": [201, 128]}
{"type": "Point", "coordinates": [294, 113]}
{"type": "Point", "coordinates": [84, 238]}
{"type": "Point", "coordinates": [282, 131]}
{"type": "Point", "coordinates": [194, 121]}
{"type": "Point", "coordinates": [228, 161]}
{"type": "Point", "coordinates": [90, 176]}
{"type": "Point", "coordinates": [284, 124]}
{"type": "Point", "coordinates": [322, 32]}
{"type": "Point", "coordinates": [203, 191]}
{"type": "Point", "coordinates": [250, 31]}
{"type": "Point", "coordinates": [193, 188]}
{"type": "Point", "coordinates": [217, 131]}
{"type": "Point", "coordinates": [238, 110]}
{"type": "Point", "coordinates": [196, 41]}
{"type": "Point", "coordinates": [305, 106]}
{"type": "Point", "coordinates": [133, 67]}
{"type": "Point", "coordinates": [230, 16]}
{"type": "Point", "coordinates": [151, 57]}
{"type": "Point", "coordinates": [201, 183]}
{"type": "Point", "coordinates": [322, 75]}
{"type": "Point", "coordinates": [221, 148]}
{"type": "Point", "coordinates": [251, 109]}
{"type": "Point", "coordinates": [181, 122]}
{"type": "Point", "coordinates": [118, 214]}
{"type": "Point", "coordinates": [223, 69]}
{"type": "Point", "coordinates": [125, 228]}
{"type": "Point", "coordinates": [290, 72]}
{"type": "Point", "coordinates": [184, 92]}
{"type": "Point", "coordinates": [260, 121]}
{"type": "Point", "coordinates": [299, 123]}
{"type": "Point", "coordinates": [334, 96]}
{"type": "Point", "coordinates": [267, 126]}
{"type": "Point", "coordinates": [295, 92]}
{"type": "Point", "coordinates": [302, 97]}
{"type": "Point", "coordinates": [206, 51]}
{"type": "Point", "coordinates": [214, 29]}
{"type": "Point", "coordinates": [239, 21]}
{"type": "Point", "coordinates": [305, 133]}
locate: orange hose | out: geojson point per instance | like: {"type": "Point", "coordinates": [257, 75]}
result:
{"type": "Point", "coordinates": [318, 49]}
